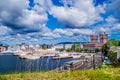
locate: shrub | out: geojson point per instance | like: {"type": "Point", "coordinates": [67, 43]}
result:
{"type": "Point", "coordinates": [68, 50]}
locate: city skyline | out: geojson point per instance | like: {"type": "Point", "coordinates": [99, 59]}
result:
{"type": "Point", "coordinates": [54, 21]}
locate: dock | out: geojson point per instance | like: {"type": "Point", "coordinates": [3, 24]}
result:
{"type": "Point", "coordinates": [64, 57]}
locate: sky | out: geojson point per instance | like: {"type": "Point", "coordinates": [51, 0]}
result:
{"type": "Point", "coordinates": [54, 21]}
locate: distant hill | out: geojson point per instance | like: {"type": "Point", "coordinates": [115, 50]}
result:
{"type": "Point", "coordinates": [71, 42]}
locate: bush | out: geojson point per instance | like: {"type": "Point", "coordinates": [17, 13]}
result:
{"type": "Point", "coordinates": [68, 50]}
{"type": "Point", "coordinates": [97, 50]}
{"type": "Point", "coordinates": [61, 50]}
{"type": "Point", "coordinates": [112, 56]}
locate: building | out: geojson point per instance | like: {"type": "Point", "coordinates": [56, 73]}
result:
{"type": "Point", "coordinates": [24, 47]}
{"type": "Point", "coordinates": [3, 48]}
{"type": "Point", "coordinates": [95, 43]}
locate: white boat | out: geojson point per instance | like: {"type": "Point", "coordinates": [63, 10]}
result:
{"type": "Point", "coordinates": [31, 57]}
{"type": "Point", "coordinates": [63, 55]}
{"type": "Point", "coordinates": [75, 55]}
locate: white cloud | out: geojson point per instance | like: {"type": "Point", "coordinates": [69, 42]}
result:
{"type": "Point", "coordinates": [81, 13]}
{"type": "Point", "coordinates": [73, 32]}
{"type": "Point", "coordinates": [116, 27]}
{"type": "Point", "coordinates": [16, 15]}
{"type": "Point", "coordinates": [111, 20]}
{"type": "Point", "coordinates": [4, 30]}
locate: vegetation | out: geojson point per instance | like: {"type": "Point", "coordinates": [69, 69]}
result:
{"type": "Point", "coordinates": [68, 50]}
{"type": "Point", "coordinates": [97, 50]}
{"type": "Point", "coordinates": [86, 50]}
{"type": "Point", "coordinates": [75, 47]}
{"type": "Point", "coordinates": [112, 56]}
{"type": "Point", "coordinates": [98, 74]}
{"type": "Point", "coordinates": [61, 50]}
{"type": "Point", "coordinates": [106, 47]}
{"type": "Point", "coordinates": [105, 65]}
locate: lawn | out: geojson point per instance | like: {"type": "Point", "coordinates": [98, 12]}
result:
{"type": "Point", "coordinates": [98, 74]}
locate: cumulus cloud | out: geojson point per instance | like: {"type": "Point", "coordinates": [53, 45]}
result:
{"type": "Point", "coordinates": [4, 30]}
{"type": "Point", "coordinates": [73, 32]}
{"type": "Point", "coordinates": [17, 16]}
{"type": "Point", "coordinates": [78, 14]}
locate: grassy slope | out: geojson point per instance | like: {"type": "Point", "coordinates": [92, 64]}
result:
{"type": "Point", "coordinates": [100, 74]}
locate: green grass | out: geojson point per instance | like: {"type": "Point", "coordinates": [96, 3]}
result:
{"type": "Point", "coordinates": [98, 74]}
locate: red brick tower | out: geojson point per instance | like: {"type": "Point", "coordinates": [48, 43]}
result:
{"type": "Point", "coordinates": [94, 38]}
{"type": "Point", "coordinates": [103, 38]}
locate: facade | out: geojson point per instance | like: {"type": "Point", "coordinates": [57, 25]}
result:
{"type": "Point", "coordinates": [95, 43]}
{"type": "Point", "coordinates": [3, 48]}
{"type": "Point", "coordinates": [62, 46]}
{"type": "Point", "coordinates": [94, 38]}
{"type": "Point", "coordinates": [24, 47]}
{"type": "Point", "coordinates": [103, 38]}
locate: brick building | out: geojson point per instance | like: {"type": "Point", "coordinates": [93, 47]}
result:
{"type": "Point", "coordinates": [95, 43]}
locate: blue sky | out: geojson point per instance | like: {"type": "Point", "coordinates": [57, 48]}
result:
{"type": "Point", "coordinates": [54, 21]}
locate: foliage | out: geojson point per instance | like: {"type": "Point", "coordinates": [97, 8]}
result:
{"type": "Point", "coordinates": [68, 50]}
{"type": "Point", "coordinates": [75, 46]}
{"type": "Point", "coordinates": [90, 51]}
{"type": "Point", "coordinates": [86, 50]}
{"type": "Point", "coordinates": [106, 46]}
{"type": "Point", "coordinates": [105, 49]}
{"type": "Point", "coordinates": [112, 56]}
{"type": "Point", "coordinates": [105, 65]}
{"type": "Point", "coordinates": [78, 50]}
{"type": "Point", "coordinates": [119, 60]}
{"type": "Point", "coordinates": [98, 74]}
{"type": "Point", "coordinates": [61, 50]}
{"type": "Point", "coordinates": [97, 50]}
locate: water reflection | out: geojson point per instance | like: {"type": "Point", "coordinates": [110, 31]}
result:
{"type": "Point", "coordinates": [10, 63]}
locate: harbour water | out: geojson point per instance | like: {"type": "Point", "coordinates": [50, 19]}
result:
{"type": "Point", "coordinates": [11, 64]}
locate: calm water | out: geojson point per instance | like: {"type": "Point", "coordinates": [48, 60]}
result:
{"type": "Point", "coordinates": [10, 63]}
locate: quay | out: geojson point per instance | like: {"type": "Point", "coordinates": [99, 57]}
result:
{"type": "Point", "coordinates": [64, 57]}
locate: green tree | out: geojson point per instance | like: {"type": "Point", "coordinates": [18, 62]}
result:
{"type": "Point", "coordinates": [61, 50]}
{"type": "Point", "coordinates": [97, 50]}
{"type": "Point", "coordinates": [75, 46]}
{"type": "Point", "coordinates": [106, 46]}
{"type": "Point", "coordinates": [68, 50]}
{"type": "Point", "coordinates": [86, 50]}
{"type": "Point", "coordinates": [112, 56]}
{"type": "Point", "coordinates": [105, 49]}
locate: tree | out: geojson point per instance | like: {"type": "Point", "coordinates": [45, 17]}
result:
{"type": "Point", "coordinates": [86, 50]}
{"type": "Point", "coordinates": [112, 56]}
{"type": "Point", "coordinates": [68, 50]}
{"type": "Point", "coordinates": [97, 50]}
{"type": "Point", "coordinates": [75, 46]}
{"type": "Point", "coordinates": [105, 49]}
{"type": "Point", "coordinates": [106, 46]}
{"type": "Point", "coordinates": [61, 50]}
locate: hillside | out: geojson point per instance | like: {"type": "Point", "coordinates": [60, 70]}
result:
{"type": "Point", "coordinates": [99, 74]}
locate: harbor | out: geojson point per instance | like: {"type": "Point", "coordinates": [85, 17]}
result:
{"type": "Point", "coordinates": [13, 63]}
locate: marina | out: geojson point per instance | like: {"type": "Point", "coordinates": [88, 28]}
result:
{"type": "Point", "coordinates": [10, 63]}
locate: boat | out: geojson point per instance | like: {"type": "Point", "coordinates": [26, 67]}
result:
{"type": "Point", "coordinates": [49, 56]}
{"type": "Point", "coordinates": [64, 57]}
{"type": "Point", "coordinates": [75, 55]}
{"type": "Point", "coordinates": [32, 57]}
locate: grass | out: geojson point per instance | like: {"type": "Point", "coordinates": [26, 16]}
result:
{"type": "Point", "coordinates": [98, 74]}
